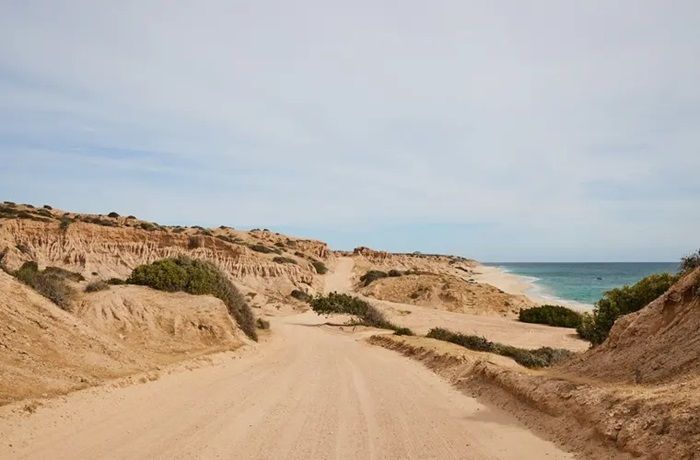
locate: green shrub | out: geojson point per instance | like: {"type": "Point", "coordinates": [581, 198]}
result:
{"type": "Point", "coordinates": [65, 274]}
{"type": "Point", "coordinates": [147, 226]}
{"type": "Point", "coordinates": [371, 276]}
{"type": "Point", "coordinates": [552, 315]}
{"type": "Point", "coordinates": [261, 248]}
{"type": "Point", "coordinates": [690, 262]}
{"type": "Point", "coordinates": [115, 281]}
{"type": "Point", "coordinates": [46, 206]}
{"type": "Point", "coordinates": [617, 302]}
{"type": "Point", "coordinates": [284, 260]}
{"type": "Point", "coordinates": [196, 277]}
{"type": "Point", "coordinates": [49, 283]}
{"type": "Point", "coordinates": [96, 286]}
{"type": "Point", "coordinates": [540, 357]}
{"type": "Point", "coordinates": [113, 215]}
{"type": "Point", "coordinates": [320, 267]}
{"type": "Point", "coordinates": [301, 295]}
{"type": "Point", "coordinates": [473, 342]}
{"type": "Point", "coordinates": [262, 324]}
{"type": "Point", "coordinates": [44, 212]}
{"type": "Point", "coordinates": [346, 304]}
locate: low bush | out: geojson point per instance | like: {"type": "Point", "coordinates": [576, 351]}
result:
{"type": "Point", "coordinates": [301, 295]}
{"type": "Point", "coordinates": [65, 223]}
{"type": "Point", "coordinates": [372, 276]}
{"type": "Point", "coordinates": [49, 283]}
{"type": "Point", "coordinates": [65, 274]}
{"type": "Point", "coordinates": [115, 281]}
{"type": "Point", "coordinates": [262, 323]}
{"type": "Point", "coordinates": [540, 357]}
{"type": "Point", "coordinates": [147, 226]}
{"type": "Point", "coordinates": [690, 262]}
{"type": "Point", "coordinates": [46, 206]}
{"type": "Point", "coordinates": [261, 248]}
{"type": "Point", "coordinates": [44, 212]}
{"type": "Point", "coordinates": [113, 215]}
{"type": "Point", "coordinates": [617, 302]}
{"type": "Point", "coordinates": [284, 260]}
{"type": "Point", "coordinates": [96, 286]}
{"type": "Point", "coordinates": [365, 313]}
{"type": "Point", "coordinates": [552, 315]}
{"type": "Point", "coordinates": [196, 277]}
{"type": "Point", "coordinates": [319, 266]}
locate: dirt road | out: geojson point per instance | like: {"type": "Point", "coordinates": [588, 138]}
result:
{"type": "Point", "coordinates": [310, 392]}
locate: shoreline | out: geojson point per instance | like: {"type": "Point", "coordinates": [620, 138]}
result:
{"type": "Point", "coordinates": [523, 285]}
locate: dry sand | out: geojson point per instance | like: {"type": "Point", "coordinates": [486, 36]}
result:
{"type": "Point", "coordinates": [421, 319]}
{"type": "Point", "coordinates": [311, 392]}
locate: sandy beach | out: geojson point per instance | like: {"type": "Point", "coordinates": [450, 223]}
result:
{"type": "Point", "coordinates": [520, 285]}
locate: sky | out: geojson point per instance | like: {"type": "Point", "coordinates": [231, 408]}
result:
{"type": "Point", "coordinates": [499, 130]}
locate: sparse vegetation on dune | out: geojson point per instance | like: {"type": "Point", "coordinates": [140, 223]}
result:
{"type": "Point", "coordinates": [617, 302]}
{"type": "Point", "coordinates": [301, 295]}
{"type": "Point", "coordinates": [540, 357]}
{"type": "Point", "coordinates": [690, 262]}
{"type": "Point", "coordinates": [319, 266]}
{"type": "Point", "coordinates": [284, 260]}
{"type": "Point", "coordinates": [97, 286]}
{"type": "Point", "coordinates": [552, 315]}
{"type": "Point", "coordinates": [374, 275]}
{"type": "Point", "coordinates": [197, 277]}
{"type": "Point", "coordinates": [51, 282]}
{"type": "Point", "coordinates": [365, 313]}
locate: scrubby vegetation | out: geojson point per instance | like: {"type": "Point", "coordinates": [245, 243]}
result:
{"type": "Point", "coordinates": [365, 313]}
{"type": "Point", "coordinates": [284, 260]}
{"type": "Point", "coordinates": [320, 267]}
{"type": "Point", "coordinates": [113, 215]}
{"type": "Point", "coordinates": [690, 262]}
{"type": "Point", "coordinates": [263, 249]}
{"type": "Point", "coordinates": [540, 357]}
{"type": "Point", "coordinates": [552, 315]}
{"type": "Point", "coordinates": [9, 210]}
{"type": "Point", "coordinates": [65, 223]}
{"type": "Point", "coordinates": [196, 277]}
{"type": "Point", "coordinates": [115, 281]}
{"type": "Point", "coordinates": [301, 295]}
{"type": "Point", "coordinates": [51, 283]}
{"type": "Point", "coordinates": [96, 286]}
{"type": "Point", "coordinates": [373, 275]}
{"type": "Point", "coordinates": [262, 324]}
{"type": "Point", "coordinates": [595, 327]}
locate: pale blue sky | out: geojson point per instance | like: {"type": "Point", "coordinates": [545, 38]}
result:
{"type": "Point", "coordinates": [508, 130]}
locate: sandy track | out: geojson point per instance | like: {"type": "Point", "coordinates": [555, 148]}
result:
{"type": "Point", "coordinates": [311, 392]}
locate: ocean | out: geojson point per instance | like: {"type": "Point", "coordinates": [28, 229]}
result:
{"type": "Point", "coordinates": [583, 282]}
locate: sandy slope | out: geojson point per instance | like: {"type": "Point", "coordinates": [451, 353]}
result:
{"type": "Point", "coordinates": [311, 392]}
{"type": "Point", "coordinates": [421, 319]}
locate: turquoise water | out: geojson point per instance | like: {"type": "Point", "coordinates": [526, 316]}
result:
{"type": "Point", "coordinates": [583, 282]}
